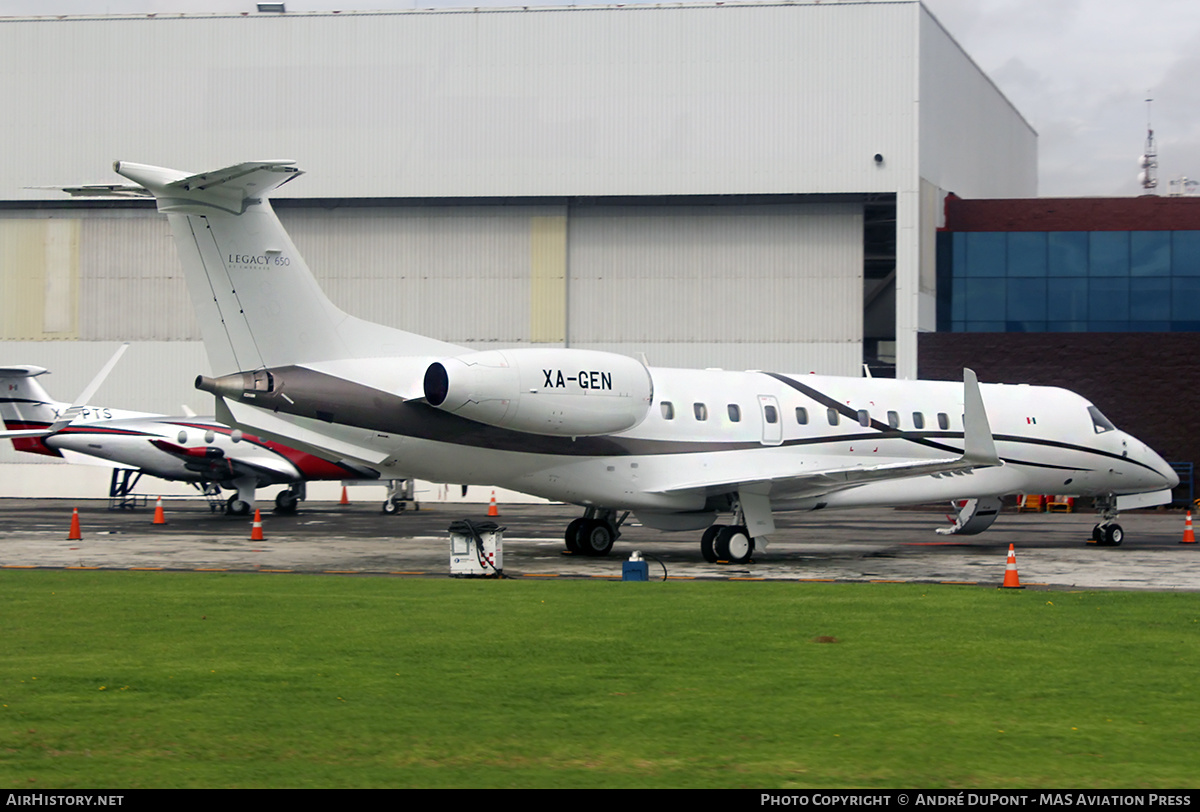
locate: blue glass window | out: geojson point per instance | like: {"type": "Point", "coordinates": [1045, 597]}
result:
{"type": "Point", "coordinates": [1026, 299]}
{"type": "Point", "coordinates": [1108, 301]}
{"type": "Point", "coordinates": [1150, 253]}
{"type": "Point", "coordinates": [1067, 253]}
{"type": "Point", "coordinates": [1067, 299]}
{"type": "Point", "coordinates": [1150, 299]}
{"type": "Point", "coordinates": [1068, 281]}
{"type": "Point", "coordinates": [1108, 253]}
{"type": "Point", "coordinates": [1185, 253]}
{"type": "Point", "coordinates": [1185, 299]}
{"type": "Point", "coordinates": [985, 299]}
{"type": "Point", "coordinates": [1025, 326]}
{"type": "Point", "coordinates": [985, 254]}
{"type": "Point", "coordinates": [1027, 253]}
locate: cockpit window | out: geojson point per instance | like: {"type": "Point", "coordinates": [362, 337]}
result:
{"type": "Point", "coordinates": [1099, 421]}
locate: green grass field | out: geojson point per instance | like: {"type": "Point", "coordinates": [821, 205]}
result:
{"type": "Point", "coordinates": [128, 680]}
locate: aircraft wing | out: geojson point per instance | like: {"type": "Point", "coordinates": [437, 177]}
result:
{"type": "Point", "coordinates": [215, 464]}
{"type": "Point", "coordinates": [808, 478]}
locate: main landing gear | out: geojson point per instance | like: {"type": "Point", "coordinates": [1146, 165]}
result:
{"type": "Point", "coordinates": [593, 533]}
{"type": "Point", "coordinates": [1107, 533]}
{"type": "Point", "coordinates": [400, 493]}
{"type": "Point", "coordinates": [732, 543]}
{"type": "Point", "coordinates": [236, 507]}
{"type": "Point", "coordinates": [287, 500]}
{"type": "Point", "coordinates": [242, 502]}
{"type": "Point", "coordinates": [723, 542]}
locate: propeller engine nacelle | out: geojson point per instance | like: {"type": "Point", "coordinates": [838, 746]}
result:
{"type": "Point", "coordinates": [561, 392]}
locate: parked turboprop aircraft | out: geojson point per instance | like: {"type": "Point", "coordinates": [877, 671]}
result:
{"type": "Point", "coordinates": [186, 449]}
{"type": "Point", "coordinates": [676, 447]}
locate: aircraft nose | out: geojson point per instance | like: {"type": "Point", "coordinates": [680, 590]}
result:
{"type": "Point", "coordinates": [1167, 478]}
{"type": "Point", "coordinates": [1168, 473]}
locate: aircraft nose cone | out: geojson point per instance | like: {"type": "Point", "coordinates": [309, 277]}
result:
{"type": "Point", "coordinates": [1166, 474]}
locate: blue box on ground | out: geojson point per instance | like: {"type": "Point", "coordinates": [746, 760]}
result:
{"type": "Point", "coordinates": [635, 571]}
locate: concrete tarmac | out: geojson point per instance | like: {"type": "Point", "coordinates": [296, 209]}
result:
{"type": "Point", "coordinates": [854, 546]}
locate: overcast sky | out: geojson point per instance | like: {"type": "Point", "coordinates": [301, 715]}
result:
{"type": "Point", "coordinates": [1078, 70]}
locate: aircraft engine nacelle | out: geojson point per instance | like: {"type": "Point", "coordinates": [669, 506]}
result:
{"type": "Point", "coordinates": [560, 392]}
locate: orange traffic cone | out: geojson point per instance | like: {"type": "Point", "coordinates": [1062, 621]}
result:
{"type": "Point", "coordinates": [159, 518]}
{"type": "Point", "coordinates": [492, 509]}
{"type": "Point", "coordinates": [345, 497]}
{"type": "Point", "coordinates": [74, 535]}
{"type": "Point", "coordinates": [256, 533]}
{"type": "Point", "coordinates": [1188, 536]}
{"type": "Point", "coordinates": [1011, 581]}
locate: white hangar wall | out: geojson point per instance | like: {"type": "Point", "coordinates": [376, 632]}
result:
{"type": "Point", "coordinates": [683, 181]}
{"type": "Point", "coordinates": [637, 100]}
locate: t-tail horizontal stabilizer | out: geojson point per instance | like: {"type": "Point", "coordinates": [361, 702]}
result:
{"type": "Point", "coordinates": [226, 190]}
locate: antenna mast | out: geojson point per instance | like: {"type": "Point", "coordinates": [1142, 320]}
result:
{"type": "Point", "coordinates": [1148, 177]}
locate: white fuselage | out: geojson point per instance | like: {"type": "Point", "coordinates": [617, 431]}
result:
{"type": "Point", "coordinates": [673, 460]}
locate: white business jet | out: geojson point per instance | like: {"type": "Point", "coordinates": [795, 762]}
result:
{"type": "Point", "coordinates": [191, 449]}
{"type": "Point", "coordinates": [675, 447]}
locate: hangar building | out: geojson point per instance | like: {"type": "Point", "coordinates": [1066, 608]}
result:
{"type": "Point", "coordinates": [742, 186]}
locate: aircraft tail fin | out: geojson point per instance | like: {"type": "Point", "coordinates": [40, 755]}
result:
{"type": "Point", "coordinates": [257, 302]}
{"type": "Point", "coordinates": [27, 410]}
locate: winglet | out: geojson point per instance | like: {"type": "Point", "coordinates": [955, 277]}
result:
{"type": "Point", "coordinates": [978, 446]}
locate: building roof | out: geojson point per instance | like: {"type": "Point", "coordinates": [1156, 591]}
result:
{"type": "Point", "coordinates": [1147, 213]}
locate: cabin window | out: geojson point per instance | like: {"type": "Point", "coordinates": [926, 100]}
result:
{"type": "Point", "coordinates": [700, 410]}
{"type": "Point", "coordinates": [770, 414]}
{"type": "Point", "coordinates": [802, 415]}
{"type": "Point", "coordinates": [943, 421]}
{"type": "Point", "coordinates": [833, 416]}
{"type": "Point", "coordinates": [864, 418]}
{"type": "Point", "coordinates": [1099, 422]}
{"type": "Point", "coordinates": [894, 419]}
{"type": "Point", "coordinates": [735, 413]}
{"type": "Point", "coordinates": [668, 410]}
{"type": "Point", "coordinates": [918, 420]}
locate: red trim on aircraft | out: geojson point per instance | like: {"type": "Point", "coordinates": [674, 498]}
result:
{"type": "Point", "coordinates": [31, 445]}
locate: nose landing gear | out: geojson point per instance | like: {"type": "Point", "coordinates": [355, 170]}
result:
{"type": "Point", "coordinates": [1107, 533]}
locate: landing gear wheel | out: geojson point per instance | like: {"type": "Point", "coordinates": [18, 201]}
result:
{"type": "Point", "coordinates": [393, 506]}
{"type": "Point", "coordinates": [236, 507]}
{"type": "Point", "coordinates": [733, 544]}
{"type": "Point", "coordinates": [596, 538]}
{"type": "Point", "coordinates": [286, 502]}
{"type": "Point", "coordinates": [1113, 535]}
{"type": "Point", "coordinates": [706, 543]}
{"type": "Point", "coordinates": [574, 529]}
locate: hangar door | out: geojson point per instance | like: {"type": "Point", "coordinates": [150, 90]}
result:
{"type": "Point", "coordinates": [734, 286]}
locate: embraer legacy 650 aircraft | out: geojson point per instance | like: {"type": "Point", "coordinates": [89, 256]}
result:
{"type": "Point", "coordinates": [181, 449]}
{"type": "Point", "coordinates": [676, 447]}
